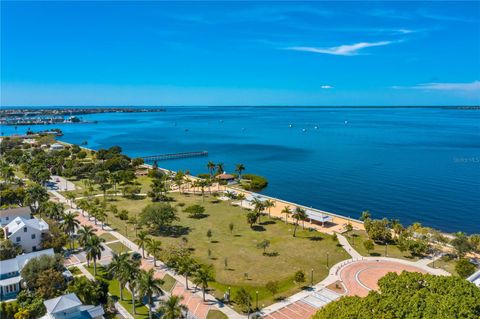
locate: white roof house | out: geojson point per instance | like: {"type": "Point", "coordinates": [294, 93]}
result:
{"type": "Point", "coordinates": [27, 233]}
{"type": "Point", "coordinates": [7, 215]}
{"type": "Point", "coordinates": [10, 272]}
{"type": "Point", "coordinates": [56, 147]}
{"type": "Point", "coordinates": [70, 307]}
{"type": "Point", "coordinates": [475, 278]}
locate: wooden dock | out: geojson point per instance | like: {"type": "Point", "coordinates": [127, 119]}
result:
{"type": "Point", "coordinates": [163, 157]}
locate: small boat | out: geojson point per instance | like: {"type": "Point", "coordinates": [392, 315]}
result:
{"type": "Point", "coordinates": [316, 127]}
{"type": "Point", "coordinates": [290, 125]}
{"type": "Point", "coordinates": [346, 122]}
{"type": "Point", "coordinates": [304, 129]}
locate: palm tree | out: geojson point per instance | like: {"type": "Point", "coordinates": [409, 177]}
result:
{"type": "Point", "coordinates": [101, 216]}
{"type": "Point", "coordinates": [131, 274]}
{"type": "Point", "coordinates": [239, 168]}
{"type": "Point", "coordinates": [94, 249]}
{"type": "Point", "coordinates": [141, 241]}
{"type": "Point", "coordinates": [52, 210]}
{"type": "Point", "coordinates": [220, 168]}
{"type": "Point", "coordinates": [269, 204]}
{"type": "Point", "coordinates": [115, 178]}
{"type": "Point", "coordinates": [298, 214]}
{"type": "Point", "coordinates": [154, 248]}
{"type": "Point", "coordinates": [148, 286]}
{"type": "Point", "coordinates": [84, 235]}
{"type": "Point", "coordinates": [83, 205]}
{"type": "Point", "coordinates": [202, 276]}
{"type": "Point", "coordinates": [71, 197]}
{"type": "Point", "coordinates": [186, 267]}
{"type": "Point", "coordinates": [69, 225]}
{"type": "Point", "coordinates": [172, 308]}
{"type": "Point", "coordinates": [287, 211]}
{"type": "Point", "coordinates": [259, 206]}
{"type": "Point", "coordinates": [118, 267]}
{"type": "Point", "coordinates": [241, 197]}
{"type": "Point", "coordinates": [211, 167]}
{"type": "Point", "coordinates": [6, 172]}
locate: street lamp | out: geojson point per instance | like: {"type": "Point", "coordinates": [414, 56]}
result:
{"type": "Point", "coordinates": [229, 298]}
{"type": "Point", "coordinates": [256, 299]}
{"type": "Point", "coordinates": [386, 245]}
{"type": "Point", "coordinates": [327, 260]}
{"type": "Point", "coordinates": [311, 278]}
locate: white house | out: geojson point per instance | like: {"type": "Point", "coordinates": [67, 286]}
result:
{"type": "Point", "coordinates": [7, 215]}
{"type": "Point", "coordinates": [56, 147]}
{"type": "Point", "coordinates": [70, 307]}
{"type": "Point", "coordinates": [27, 233]}
{"type": "Point", "coordinates": [10, 272]}
{"type": "Point", "coordinates": [475, 278]}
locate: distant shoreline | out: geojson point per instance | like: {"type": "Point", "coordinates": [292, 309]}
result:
{"type": "Point", "coordinates": [456, 107]}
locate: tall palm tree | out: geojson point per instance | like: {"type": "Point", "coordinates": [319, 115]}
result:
{"type": "Point", "coordinates": [239, 168]}
{"type": "Point", "coordinates": [141, 241]}
{"type": "Point", "coordinates": [172, 308]}
{"type": "Point", "coordinates": [154, 247]}
{"type": "Point", "coordinates": [69, 225]}
{"type": "Point", "coordinates": [269, 204]}
{"type": "Point", "coordinates": [211, 167]}
{"type": "Point", "coordinates": [83, 205]}
{"type": "Point", "coordinates": [148, 286]}
{"type": "Point", "coordinates": [71, 197]}
{"type": "Point", "coordinates": [220, 168]}
{"type": "Point", "coordinates": [94, 249]}
{"type": "Point", "coordinates": [287, 211]}
{"type": "Point", "coordinates": [258, 207]}
{"type": "Point", "coordinates": [119, 268]}
{"type": "Point", "coordinates": [131, 274]}
{"type": "Point", "coordinates": [101, 216]}
{"type": "Point", "coordinates": [299, 214]}
{"type": "Point", "coordinates": [52, 210]}
{"type": "Point", "coordinates": [201, 278]}
{"type": "Point", "coordinates": [241, 197]}
{"type": "Point", "coordinates": [84, 235]}
{"type": "Point", "coordinates": [186, 267]}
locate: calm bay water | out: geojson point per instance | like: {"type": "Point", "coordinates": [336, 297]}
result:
{"type": "Point", "coordinates": [414, 164]}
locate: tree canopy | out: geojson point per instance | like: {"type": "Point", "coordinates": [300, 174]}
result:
{"type": "Point", "coordinates": [410, 295]}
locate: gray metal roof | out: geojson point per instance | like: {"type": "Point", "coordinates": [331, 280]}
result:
{"type": "Point", "coordinates": [62, 303]}
{"type": "Point", "coordinates": [17, 263]}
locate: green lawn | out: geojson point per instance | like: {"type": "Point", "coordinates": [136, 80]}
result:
{"type": "Point", "coordinates": [169, 282]}
{"type": "Point", "coordinates": [118, 247]}
{"type": "Point", "coordinates": [246, 265]}
{"type": "Point", "coordinates": [216, 314]}
{"type": "Point", "coordinates": [74, 270]}
{"type": "Point", "coordinates": [108, 237]}
{"type": "Point", "coordinates": [114, 290]}
{"type": "Point", "coordinates": [447, 265]}
{"type": "Point", "coordinates": [357, 237]}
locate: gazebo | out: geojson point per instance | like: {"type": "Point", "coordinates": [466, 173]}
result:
{"type": "Point", "coordinates": [318, 216]}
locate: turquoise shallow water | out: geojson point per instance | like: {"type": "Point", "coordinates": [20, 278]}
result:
{"type": "Point", "coordinates": [415, 164]}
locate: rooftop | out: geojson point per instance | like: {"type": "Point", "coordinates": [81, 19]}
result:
{"type": "Point", "coordinates": [20, 222]}
{"type": "Point", "coordinates": [17, 263]}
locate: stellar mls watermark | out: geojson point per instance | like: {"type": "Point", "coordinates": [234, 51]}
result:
{"type": "Point", "coordinates": [467, 160]}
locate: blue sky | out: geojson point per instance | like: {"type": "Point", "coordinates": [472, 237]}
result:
{"type": "Point", "coordinates": [234, 53]}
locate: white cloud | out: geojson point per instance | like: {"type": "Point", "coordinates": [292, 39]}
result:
{"type": "Point", "coordinates": [326, 87]}
{"type": "Point", "coordinates": [346, 50]}
{"type": "Point", "coordinates": [436, 86]}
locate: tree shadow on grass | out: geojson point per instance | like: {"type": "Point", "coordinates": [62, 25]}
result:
{"type": "Point", "coordinates": [237, 235]}
{"type": "Point", "coordinates": [271, 254]}
{"type": "Point", "coordinates": [315, 238]}
{"type": "Point", "coordinates": [268, 222]}
{"type": "Point", "coordinates": [375, 254]}
{"type": "Point", "coordinates": [174, 231]}
{"type": "Point", "coordinates": [258, 228]}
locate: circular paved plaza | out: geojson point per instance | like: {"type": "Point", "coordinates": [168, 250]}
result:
{"type": "Point", "coordinates": [362, 276]}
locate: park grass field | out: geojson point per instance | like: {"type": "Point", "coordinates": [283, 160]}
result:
{"type": "Point", "coordinates": [234, 255]}
{"type": "Point", "coordinates": [447, 265]}
{"type": "Point", "coordinates": [357, 237]}
{"type": "Point", "coordinates": [114, 290]}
